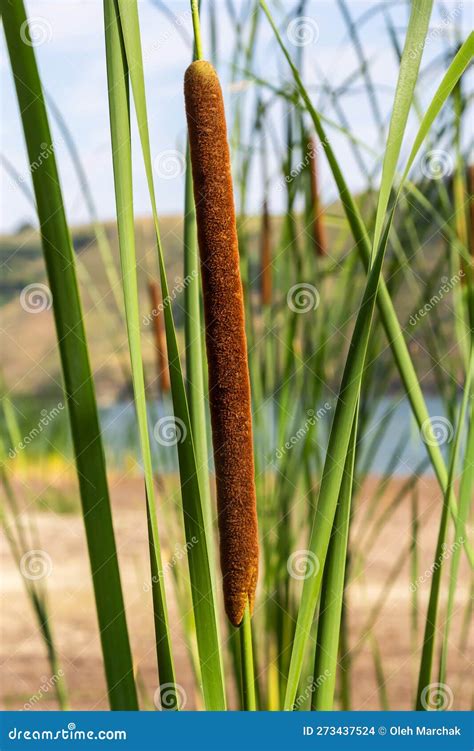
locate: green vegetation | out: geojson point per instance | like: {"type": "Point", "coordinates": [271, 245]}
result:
{"type": "Point", "coordinates": [351, 310]}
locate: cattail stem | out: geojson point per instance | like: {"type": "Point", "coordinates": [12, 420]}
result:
{"type": "Point", "coordinates": [229, 384]}
{"type": "Point", "coordinates": [246, 655]}
{"type": "Point", "coordinates": [266, 259]}
{"type": "Point", "coordinates": [316, 211]}
{"type": "Point", "coordinates": [196, 29]}
{"type": "Point", "coordinates": [160, 342]}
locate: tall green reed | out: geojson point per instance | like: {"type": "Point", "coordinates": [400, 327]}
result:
{"type": "Point", "coordinates": [78, 383]}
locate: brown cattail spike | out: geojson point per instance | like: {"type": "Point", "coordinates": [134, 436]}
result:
{"type": "Point", "coordinates": [160, 342]}
{"type": "Point", "coordinates": [316, 210]}
{"type": "Point", "coordinates": [266, 257]}
{"type": "Point", "coordinates": [470, 170]}
{"type": "Point", "coordinates": [229, 385]}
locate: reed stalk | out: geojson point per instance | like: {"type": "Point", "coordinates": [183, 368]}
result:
{"type": "Point", "coordinates": [387, 311]}
{"type": "Point", "coordinates": [195, 361]}
{"type": "Point", "coordinates": [20, 544]}
{"type": "Point", "coordinates": [409, 67]}
{"type": "Point", "coordinates": [424, 676]}
{"type": "Point", "coordinates": [247, 666]}
{"type": "Point", "coordinates": [204, 601]}
{"type": "Point", "coordinates": [332, 591]}
{"type": "Point", "coordinates": [196, 364]}
{"type": "Point", "coordinates": [261, 354]}
{"type": "Point", "coordinates": [117, 80]}
{"type": "Point", "coordinates": [78, 382]}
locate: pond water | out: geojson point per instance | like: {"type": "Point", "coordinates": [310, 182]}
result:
{"type": "Point", "coordinates": [391, 437]}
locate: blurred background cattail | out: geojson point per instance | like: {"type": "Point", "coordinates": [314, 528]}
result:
{"type": "Point", "coordinates": [470, 188]}
{"type": "Point", "coordinates": [159, 336]}
{"type": "Point", "coordinates": [266, 257]}
{"type": "Point", "coordinates": [317, 217]}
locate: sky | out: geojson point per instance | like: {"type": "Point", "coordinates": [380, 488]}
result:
{"type": "Point", "coordinates": [68, 37]}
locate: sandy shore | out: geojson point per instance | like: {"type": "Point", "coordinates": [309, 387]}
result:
{"type": "Point", "coordinates": [384, 566]}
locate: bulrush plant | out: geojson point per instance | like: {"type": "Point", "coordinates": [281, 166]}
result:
{"type": "Point", "coordinates": [266, 258]}
{"type": "Point", "coordinates": [159, 337]}
{"type": "Point", "coordinates": [79, 388]}
{"type": "Point", "coordinates": [470, 171]}
{"type": "Point", "coordinates": [305, 641]}
{"type": "Point", "coordinates": [229, 384]}
{"type": "Point", "coordinates": [318, 230]}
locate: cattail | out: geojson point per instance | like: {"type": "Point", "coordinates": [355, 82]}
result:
{"type": "Point", "coordinates": [266, 257]}
{"type": "Point", "coordinates": [229, 384]}
{"type": "Point", "coordinates": [160, 342]}
{"type": "Point", "coordinates": [316, 211]}
{"type": "Point", "coordinates": [471, 204]}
